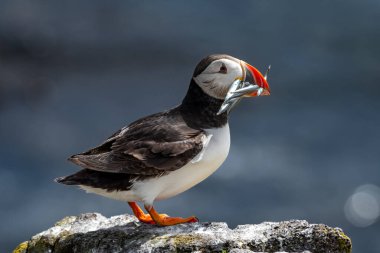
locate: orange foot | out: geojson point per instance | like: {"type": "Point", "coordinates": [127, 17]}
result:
{"type": "Point", "coordinates": [164, 220]}
{"type": "Point", "coordinates": [141, 216]}
{"type": "Point", "coordinates": [155, 218]}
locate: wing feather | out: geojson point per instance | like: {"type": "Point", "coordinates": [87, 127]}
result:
{"type": "Point", "coordinates": [153, 145]}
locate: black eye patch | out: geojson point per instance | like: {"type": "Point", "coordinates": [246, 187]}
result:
{"type": "Point", "coordinates": [223, 69]}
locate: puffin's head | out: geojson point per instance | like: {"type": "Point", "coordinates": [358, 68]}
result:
{"type": "Point", "coordinates": [216, 73]}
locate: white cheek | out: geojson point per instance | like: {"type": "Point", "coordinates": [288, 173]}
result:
{"type": "Point", "coordinates": [225, 80]}
{"type": "Point", "coordinates": [217, 84]}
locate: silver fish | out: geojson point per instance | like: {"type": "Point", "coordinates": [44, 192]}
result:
{"type": "Point", "coordinates": [237, 91]}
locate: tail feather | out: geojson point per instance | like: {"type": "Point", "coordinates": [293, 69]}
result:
{"type": "Point", "coordinates": [97, 179]}
{"type": "Point", "coordinates": [66, 180]}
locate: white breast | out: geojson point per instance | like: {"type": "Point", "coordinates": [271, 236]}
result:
{"type": "Point", "coordinates": [216, 148]}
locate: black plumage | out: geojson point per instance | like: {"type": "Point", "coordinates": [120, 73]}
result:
{"type": "Point", "coordinates": [103, 180]}
{"type": "Point", "coordinates": [153, 145]}
{"type": "Point", "coordinates": [199, 109]}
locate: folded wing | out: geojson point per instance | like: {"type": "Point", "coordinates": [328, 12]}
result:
{"type": "Point", "coordinates": [154, 145]}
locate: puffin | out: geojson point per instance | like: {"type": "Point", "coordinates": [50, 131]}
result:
{"type": "Point", "coordinates": [164, 154]}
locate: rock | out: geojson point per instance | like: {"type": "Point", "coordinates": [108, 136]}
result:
{"type": "Point", "coordinates": [93, 232]}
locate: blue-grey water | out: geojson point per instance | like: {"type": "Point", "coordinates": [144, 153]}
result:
{"type": "Point", "coordinates": [73, 72]}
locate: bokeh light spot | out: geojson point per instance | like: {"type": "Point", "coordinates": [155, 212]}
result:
{"type": "Point", "coordinates": [362, 208]}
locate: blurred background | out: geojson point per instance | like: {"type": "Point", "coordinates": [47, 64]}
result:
{"type": "Point", "coordinates": [73, 72]}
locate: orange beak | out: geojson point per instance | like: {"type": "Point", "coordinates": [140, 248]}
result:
{"type": "Point", "coordinates": [253, 76]}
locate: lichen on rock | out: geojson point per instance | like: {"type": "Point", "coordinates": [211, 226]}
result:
{"type": "Point", "coordinates": [93, 232]}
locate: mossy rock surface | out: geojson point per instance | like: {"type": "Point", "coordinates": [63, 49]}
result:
{"type": "Point", "coordinates": [93, 232]}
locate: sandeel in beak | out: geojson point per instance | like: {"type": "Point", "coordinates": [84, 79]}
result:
{"type": "Point", "coordinates": [253, 85]}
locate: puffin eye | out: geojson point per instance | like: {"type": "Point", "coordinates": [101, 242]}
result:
{"type": "Point", "coordinates": [223, 69]}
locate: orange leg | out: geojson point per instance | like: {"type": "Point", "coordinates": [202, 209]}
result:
{"type": "Point", "coordinates": [143, 217]}
{"type": "Point", "coordinates": [164, 220]}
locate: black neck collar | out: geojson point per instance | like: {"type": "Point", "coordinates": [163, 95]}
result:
{"type": "Point", "coordinates": [199, 109]}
